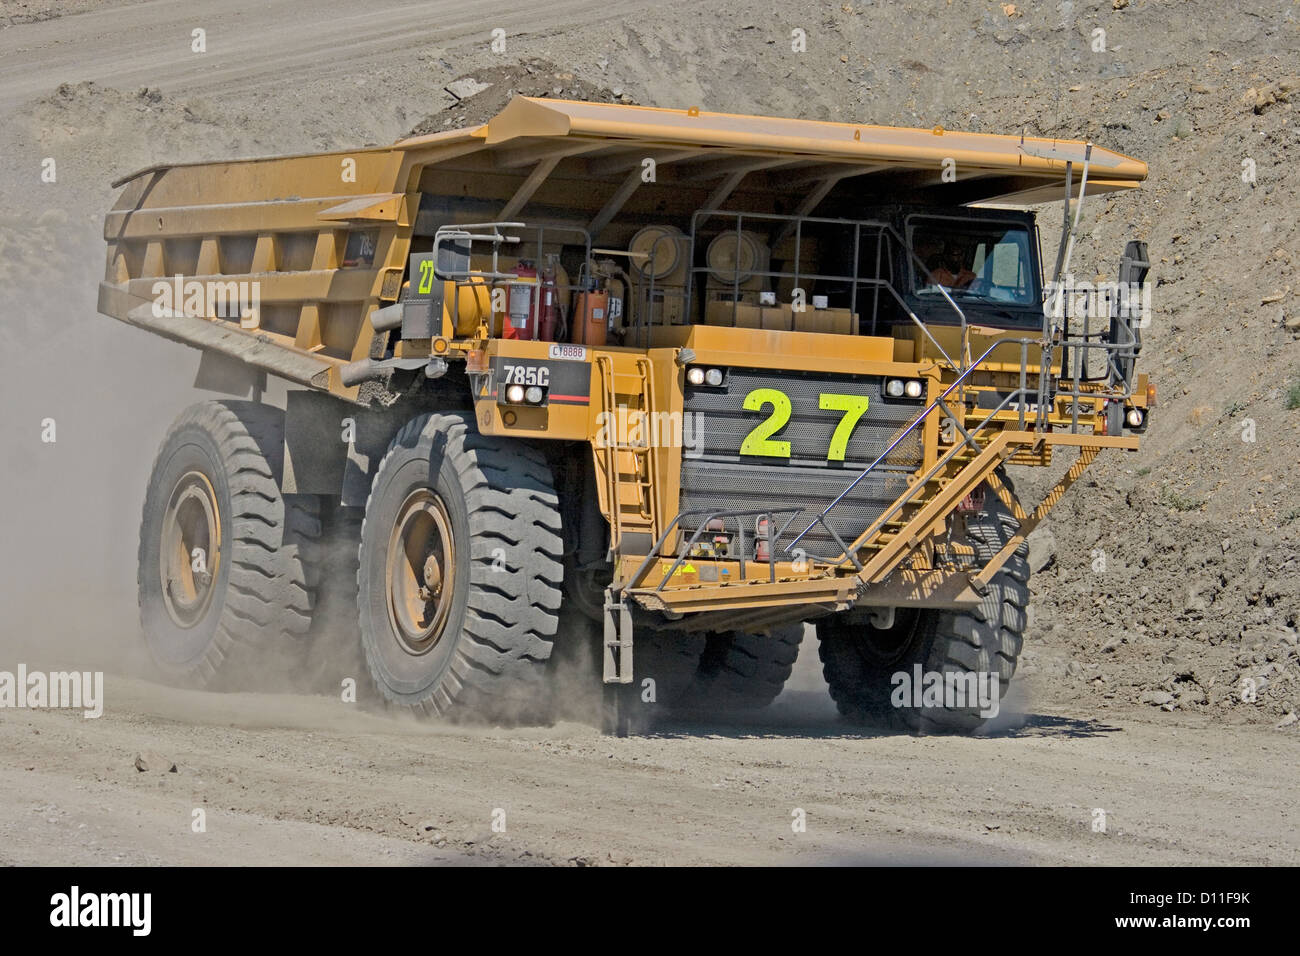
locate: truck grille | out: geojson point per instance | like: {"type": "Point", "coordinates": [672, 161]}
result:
{"type": "Point", "coordinates": [716, 476]}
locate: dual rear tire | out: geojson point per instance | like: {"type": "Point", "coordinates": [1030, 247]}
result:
{"type": "Point", "coordinates": [743, 671]}
{"type": "Point", "coordinates": [225, 583]}
{"type": "Point", "coordinates": [458, 560]}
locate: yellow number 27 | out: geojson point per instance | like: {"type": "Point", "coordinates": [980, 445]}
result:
{"type": "Point", "coordinates": [759, 441]}
{"type": "Point", "coordinates": [426, 276]}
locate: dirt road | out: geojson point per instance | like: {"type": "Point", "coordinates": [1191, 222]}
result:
{"type": "Point", "coordinates": [309, 780]}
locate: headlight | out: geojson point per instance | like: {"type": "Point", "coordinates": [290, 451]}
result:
{"type": "Point", "coordinates": [1134, 418]}
{"type": "Point", "coordinates": [515, 394]}
{"type": "Point", "coordinates": [533, 395]}
{"type": "Point", "coordinates": [899, 387]}
{"type": "Point", "coordinates": [695, 376]}
{"type": "Point", "coordinates": [713, 377]}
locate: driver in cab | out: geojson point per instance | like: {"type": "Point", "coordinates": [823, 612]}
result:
{"type": "Point", "coordinates": [948, 268]}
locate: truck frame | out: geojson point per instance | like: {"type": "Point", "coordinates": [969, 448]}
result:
{"type": "Point", "coordinates": [667, 384]}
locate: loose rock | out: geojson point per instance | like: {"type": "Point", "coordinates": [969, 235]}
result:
{"type": "Point", "coordinates": [150, 761]}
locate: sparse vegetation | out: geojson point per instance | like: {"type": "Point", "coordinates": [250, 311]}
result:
{"type": "Point", "coordinates": [1293, 396]}
{"type": "Point", "coordinates": [1143, 471]}
{"type": "Point", "coordinates": [1180, 502]}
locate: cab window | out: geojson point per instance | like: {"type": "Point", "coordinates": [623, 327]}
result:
{"type": "Point", "coordinates": [973, 260]}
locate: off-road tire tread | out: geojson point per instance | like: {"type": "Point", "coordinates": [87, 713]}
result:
{"type": "Point", "coordinates": [499, 666]}
{"type": "Point", "coordinates": [987, 637]}
{"type": "Point", "coordinates": [671, 658]}
{"type": "Point", "coordinates": [743, 670]}
{"type": "Point", "coordinates": [269, 595]}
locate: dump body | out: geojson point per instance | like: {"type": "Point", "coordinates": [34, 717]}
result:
{"type": "Point", "coordinates": [797, 484]}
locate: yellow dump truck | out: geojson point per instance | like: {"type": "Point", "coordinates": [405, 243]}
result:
{"type": "Point", "coordinates": [668, 381]}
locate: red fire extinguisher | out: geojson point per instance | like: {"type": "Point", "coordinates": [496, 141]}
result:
{"type": "Point", "coordinates": [521, 318]}
{"type": "Point", "coordinates": [550, 311]}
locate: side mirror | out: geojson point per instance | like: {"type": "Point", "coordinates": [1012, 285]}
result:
{"type": "Point", "coordinates": [1126, 306]}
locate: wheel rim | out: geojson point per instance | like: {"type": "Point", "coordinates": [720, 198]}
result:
{"type": "Point", "coordinates": [420, 571]}
{"type": "Point", "coordinates": [190, 549]}
{"type": "Point", "coordinates": [885, 647]}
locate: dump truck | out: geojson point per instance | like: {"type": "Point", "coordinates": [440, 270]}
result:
{"type": "Point", "coordinates": [668, 385]}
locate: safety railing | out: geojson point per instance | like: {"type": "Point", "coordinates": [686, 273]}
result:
{"type": "Point", "coordinates": [687, 546]}
{"type": "Point", "coordinates": [1045, 392]}
{"type": "Point", "coordinates": [854, 279]}
{"type": "Point", "coordinates": [968, 439]}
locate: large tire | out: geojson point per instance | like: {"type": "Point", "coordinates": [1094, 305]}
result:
{"type": "Point", "coordinates": [223, 586]}
{"type": "Point", "coordinates": [859, 660]}
{"type": "Point", "coordinates": [479, 516]}
{"type": "Point", "coordinates": [740, 670]}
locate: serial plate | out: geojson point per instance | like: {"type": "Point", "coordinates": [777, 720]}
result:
{"type": "Point", "coordinates": [568, 353]}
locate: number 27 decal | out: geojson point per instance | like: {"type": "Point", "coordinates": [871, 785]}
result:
{"type": "Point", "coordinates": [759, 440]}
{"type": "Point", "coordinates": [426, 276]}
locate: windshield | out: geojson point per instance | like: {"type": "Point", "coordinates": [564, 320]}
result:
{"type": "Point", "coordinates": [974, 260]}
